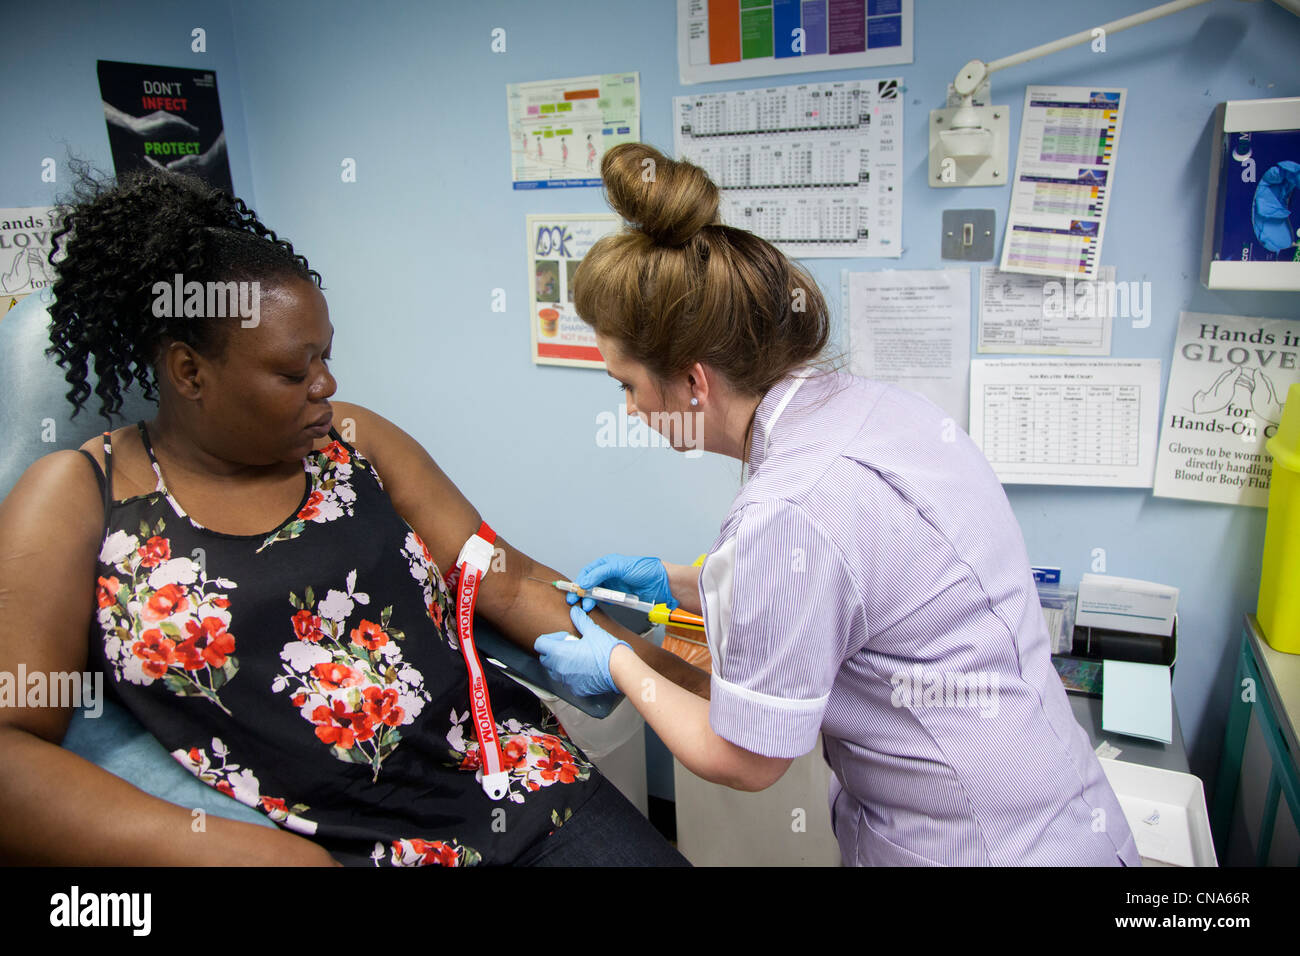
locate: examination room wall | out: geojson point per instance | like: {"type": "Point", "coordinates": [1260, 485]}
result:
{"type": "Point", "coordinates": [415, 249]}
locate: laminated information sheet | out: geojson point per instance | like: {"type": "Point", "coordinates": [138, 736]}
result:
{"type": "Point", "coordinates": [1067, 421]}
{"type": "Point", "coordinates": [814, 169]}
{"type": "Point", "coordinates": [1065, 171]}
{"type": "Point", "coordinates": [560, 129]}
{"type": "Point", "coordinates": [1228, 383]}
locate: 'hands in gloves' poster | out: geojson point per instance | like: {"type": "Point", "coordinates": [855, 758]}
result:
{"type": "Point", "coordinates": [1227, 385]}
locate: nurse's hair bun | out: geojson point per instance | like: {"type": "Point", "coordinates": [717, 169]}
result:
{"type": "Point", "coordinates": [668, 200]}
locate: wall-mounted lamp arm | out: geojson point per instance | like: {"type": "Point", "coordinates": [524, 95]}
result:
{"type": "Point", "coordinates": [975, 72]}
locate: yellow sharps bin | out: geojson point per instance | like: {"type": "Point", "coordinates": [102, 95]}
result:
{"type": "Point", "coordinates": [1279, 579]}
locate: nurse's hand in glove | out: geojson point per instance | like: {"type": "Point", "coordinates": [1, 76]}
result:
{"type": "Point", "coordinates": [647, 578]}
{"type": "Point", "coordinates": [582, 664]}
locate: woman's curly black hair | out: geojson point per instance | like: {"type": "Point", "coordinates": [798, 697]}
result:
{"type": "Point", "coordinates": [114, 242]}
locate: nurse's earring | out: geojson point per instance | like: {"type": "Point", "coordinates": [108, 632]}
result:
{"type": "Point", "coordinates": [695, 401]}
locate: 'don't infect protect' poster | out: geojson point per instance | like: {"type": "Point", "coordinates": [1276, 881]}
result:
{"type": "Point", "coordinates": [167, 117]}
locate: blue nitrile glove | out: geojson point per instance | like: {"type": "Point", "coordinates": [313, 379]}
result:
{"type": "Point", "coordinates": [582, 664]}
{"type": "Point", "coordinates": [647, 578]}
{"type": "Point", "coordinates": [1270, 212]}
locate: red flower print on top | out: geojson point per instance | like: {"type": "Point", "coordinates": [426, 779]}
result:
{"type": "Point", "coordinates": [413, 851]}
{"type": "Point", "coordinates": [163, 603]}
{"type": "Point", "coordinates": [350, 682]}
{"type": "Point", "coordinates": [333, 726]}
{"type": "Point", "coordinates": [241, 783]}
{"type": "Point", "coordinates": [515, 753]}
{"type": "Point", "coordinates": [208, 643]}
{"type": "Point", "coordinates": [336, 453]}
{"type": "Point", "coordinates": [162, 617]}
{"type": "Point", "coordinates": [154, 551]}
{"type": "Point", "coordinates": [306, 626]}
{"type": "Point", "coordinates": [333, 675]}
{"type": "Point", "coordinates": [382, 707]}
{"type": "Point", "coordinates": [435, 852]}
{"type": "Point", "coordinates": [106, 592]}
{"type": "Point", "coordinates": [369, 635]}
{"type": "Point", "coordinates": [556, 766]}
{"type": "Point", "coordinates": [423, 547]}
{"type": "Point", "coordinates": [341, 727]}
{"type": "Point", "coordinates": [310, 510]}
{"type": "Point", "coordinates": [532, 759]}
{"type": "Point", "coordinates": [330, 496]}
{"type": "Point", "coordinates": [156, 651]}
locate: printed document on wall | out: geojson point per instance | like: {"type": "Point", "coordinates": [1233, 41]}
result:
{"type": "Point", "coordinates": [814, 169]}
{"type": "Point", "coordinates": [1030, 314]}
{"type": "Point", "coordinates": [912, 328]}
{"type": "Point", "coordinates": [1065, 171]}
{"type": "Point", "coordinates": [560, 129]}
{"type": "Point", "coordinates": [1228, 383]}
{"type": "Point", "coordinates": [1067, 421]}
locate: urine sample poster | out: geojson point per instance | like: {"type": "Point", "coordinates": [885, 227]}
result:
{"type": "Point", "coordinates": [165, 117]}
{"type": "Point", "coordinates": [556, 247]}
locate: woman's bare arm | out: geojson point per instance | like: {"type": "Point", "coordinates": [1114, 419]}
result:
{"type": "Point", "coordinates": [684, 581]}
{"type": "Point", "coordinates": [444, 518]}
{"type": "Point", "coordinates": [56, 807]}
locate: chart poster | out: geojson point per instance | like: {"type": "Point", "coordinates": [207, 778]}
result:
{"type": "Point", "coordinates": [1227, 386]}
{"type": "Point", "coordinates": [815, 169]}
{"type": "Point", "coordinates": [741, 39]}
{"type": "Point", "coordinates": [561, 129]}
{"type": "Point", "coordinates": [556, 247]}
{"type": "Point", "coordinates": [167, 117]}
{"type": "Point", "coordinates": [1067, 421]}
{"type": "Point", "coordinates": [1065, 175]}
{"type": "Point", "coordinates": [25, 242]}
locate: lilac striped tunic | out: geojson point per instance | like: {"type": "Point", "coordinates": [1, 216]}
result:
{"type": "Point", "coordinates": [871, 583]}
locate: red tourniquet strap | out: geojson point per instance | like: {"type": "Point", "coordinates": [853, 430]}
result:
{"type": "Point", "coordinates": [471, 572]}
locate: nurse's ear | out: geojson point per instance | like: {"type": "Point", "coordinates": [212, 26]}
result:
{"type": "Point", "coordinates": [698, 380]}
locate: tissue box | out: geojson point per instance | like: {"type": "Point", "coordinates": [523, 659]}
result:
{"type": "Point", "coordinates": [1126, 604]}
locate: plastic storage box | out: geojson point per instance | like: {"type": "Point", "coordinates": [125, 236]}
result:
{"type": "Point", "coordinates": [1166, 812]}
{"type": "Point", "coordinates": [1279, 576]}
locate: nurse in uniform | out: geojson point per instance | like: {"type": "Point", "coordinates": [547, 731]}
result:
{"type": "Point", "coordinates": [869, 584]}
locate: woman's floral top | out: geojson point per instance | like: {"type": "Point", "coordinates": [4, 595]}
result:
{"type": "Point", "coordinates": [313, 673]}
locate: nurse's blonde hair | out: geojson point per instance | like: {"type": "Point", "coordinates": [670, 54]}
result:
{"type": "Point", "coordinates": [676, 287]}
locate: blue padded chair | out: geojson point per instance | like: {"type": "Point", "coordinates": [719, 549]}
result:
{"type": "Point", "coordinates": [33, 407]}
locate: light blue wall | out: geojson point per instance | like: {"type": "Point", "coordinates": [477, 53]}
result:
{"type": "Point", "coordinates": [51, 102]}
{"type": "Point", "coordinates": [412, 251]}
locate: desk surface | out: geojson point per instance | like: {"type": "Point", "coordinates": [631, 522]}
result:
{"type": "Point", "coordinates": [1171, 756]}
